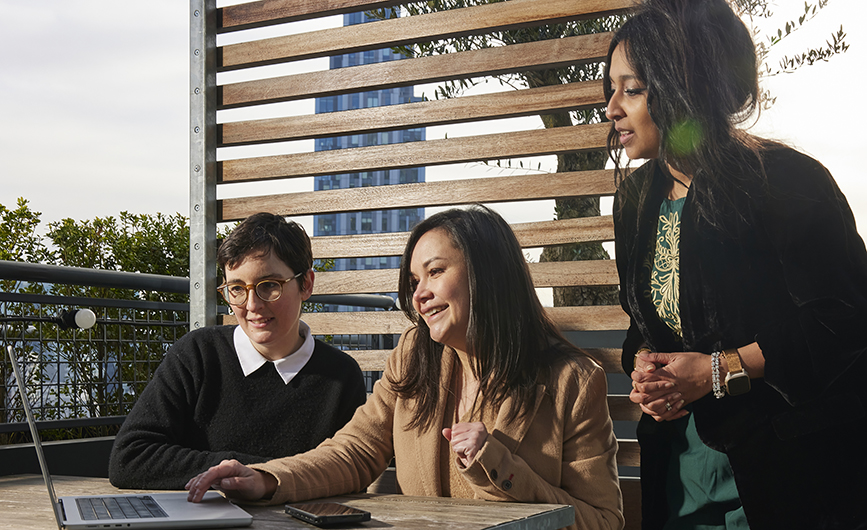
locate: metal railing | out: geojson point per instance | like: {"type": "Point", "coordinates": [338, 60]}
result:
{"type": "Point", "coordinates": [86, 381]}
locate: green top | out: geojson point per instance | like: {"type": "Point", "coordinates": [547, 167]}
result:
{"type": "Point", "coordinates": [700, 486]}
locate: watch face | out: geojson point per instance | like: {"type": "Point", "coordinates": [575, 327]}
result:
{"type": "Point", "coordinates": [737, 384]}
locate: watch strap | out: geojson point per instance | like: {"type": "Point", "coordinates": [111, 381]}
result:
{"type": "Point", "coordinates": [733, 360]}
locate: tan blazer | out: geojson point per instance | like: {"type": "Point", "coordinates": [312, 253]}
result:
{"type": "Point", "coordinates": [562, 452]}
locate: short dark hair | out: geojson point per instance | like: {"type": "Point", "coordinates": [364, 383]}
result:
{"type": "Point", "coordinates": [264, 233]}
{"type": "Point", "coordinates": [509, 332]}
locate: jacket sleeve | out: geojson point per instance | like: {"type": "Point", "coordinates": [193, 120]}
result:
{"type": "Point", "coordinates": [625, 216]}
{"type": "Point", "coordinates": [348, 462]}
{"type": "Point", "coordinates": [154, 446]}
{"type": "Point", "coordinates": [588, 470]}
{"type": "Point", "coordinates": [812, 230]}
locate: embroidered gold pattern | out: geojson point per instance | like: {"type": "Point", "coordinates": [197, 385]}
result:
{"type": "Point", "coordinates": [665, 274]}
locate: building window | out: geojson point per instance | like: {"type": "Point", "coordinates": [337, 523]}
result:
{"type": "Point", "coordinates": [325, 224]}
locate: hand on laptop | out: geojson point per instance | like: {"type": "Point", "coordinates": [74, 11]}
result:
{"type": "Point", "coordinates": [234, 479]}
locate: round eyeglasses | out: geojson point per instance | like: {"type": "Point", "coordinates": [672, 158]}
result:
{"type": "Point", "coordinates": [266, 290]}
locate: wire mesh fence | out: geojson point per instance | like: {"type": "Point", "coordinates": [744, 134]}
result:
{"type": "Point", "coordinates": [76, 379]}
{"type": "Point", "coordinates": [95, 373]}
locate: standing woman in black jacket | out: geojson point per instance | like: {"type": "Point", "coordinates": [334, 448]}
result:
{"type": "Point", "coordinates": [746, 285]}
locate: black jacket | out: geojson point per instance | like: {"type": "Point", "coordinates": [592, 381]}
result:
{"type": "Point", "coordinates": [788, 271]}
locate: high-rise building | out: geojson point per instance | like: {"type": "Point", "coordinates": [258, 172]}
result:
{"type": "Point", "coordinates": [369, 221]}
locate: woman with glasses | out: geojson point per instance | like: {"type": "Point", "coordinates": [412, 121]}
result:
{"type": "Point", "coordinates": [259, 390]}
{"type": "Point", "coordinates": [483, 397]}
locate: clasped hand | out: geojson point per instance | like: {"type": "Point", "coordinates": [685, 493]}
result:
{"type": "Point", "coordinates": [466, 440]}
{"type": "Point", "coordinates": [663, 383]}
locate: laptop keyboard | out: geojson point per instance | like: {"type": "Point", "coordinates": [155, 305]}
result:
{"type": "Point", "coordinates": [126, 507]}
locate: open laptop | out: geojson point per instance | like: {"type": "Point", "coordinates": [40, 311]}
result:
{"type": "Point", "coordinates": [130, 510]}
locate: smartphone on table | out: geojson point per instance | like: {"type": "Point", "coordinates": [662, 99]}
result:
{"type": "Point", "coordinates": [327, 513]}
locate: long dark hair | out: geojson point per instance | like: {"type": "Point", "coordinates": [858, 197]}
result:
{"type": "Point", "coordinates": [509, 335]}
{"type": "Point", "coordinates": [698, 62]}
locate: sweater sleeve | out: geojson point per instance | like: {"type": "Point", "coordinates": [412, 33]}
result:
{"type": "Point", "coordinates": [588, 476]}
{"type": "Point", "coordinates": [154, 448]}
{"type": "Point", "coordinates": [812, 230]}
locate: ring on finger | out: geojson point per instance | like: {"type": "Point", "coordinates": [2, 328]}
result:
{"type": "Point", "coordinates": [668, 406]}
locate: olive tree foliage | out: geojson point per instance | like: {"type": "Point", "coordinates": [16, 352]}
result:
{"type": "Point", "coordinates": [757, 12]}
{"type": "Point", "coordinates": [564, 208]}
{"type": "Point", "coordinates": [753, 11]}
{"type": "Point", "coordinates": [98, 372]}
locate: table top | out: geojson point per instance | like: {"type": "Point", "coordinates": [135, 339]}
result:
{"type": "Point", "coordinates": [24, 504]}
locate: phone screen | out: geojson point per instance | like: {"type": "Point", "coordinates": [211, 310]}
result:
{"type": "Point", "coordinates": [327, 513]}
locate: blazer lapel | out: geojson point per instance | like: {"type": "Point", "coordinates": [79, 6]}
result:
{"type": "Point", "coordinates": [511, 433]}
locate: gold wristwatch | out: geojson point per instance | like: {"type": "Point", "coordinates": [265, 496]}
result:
{"type": "Point", "coordinates": [737, 378]}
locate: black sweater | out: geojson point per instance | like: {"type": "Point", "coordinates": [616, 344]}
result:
{"type": "Point", "coordinates": [199, 409]}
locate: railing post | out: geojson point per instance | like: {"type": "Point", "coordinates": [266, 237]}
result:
{"type": "Point", "coordinates": [203, 166]}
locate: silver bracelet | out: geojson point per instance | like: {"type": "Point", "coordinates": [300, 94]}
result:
{"type": "Point", "coordinates": [718, 391]}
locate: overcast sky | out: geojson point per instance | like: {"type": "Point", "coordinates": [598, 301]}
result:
{"type": "Point", "coordinates": [93, 102]}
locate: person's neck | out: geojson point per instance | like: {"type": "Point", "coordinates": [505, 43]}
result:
{"type": "Point", "coordinates": [679, 185]}
{"type": "Point", "coordinates": [467, 387]}
{"type": "Point", "coordinates": [466, 362]}
{"type": "Point", "coordinates": [283, 350]}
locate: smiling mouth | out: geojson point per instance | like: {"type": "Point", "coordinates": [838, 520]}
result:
{"type": "Point", "coordinates": [433, 312]}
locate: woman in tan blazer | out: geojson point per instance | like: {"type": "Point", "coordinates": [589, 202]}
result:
{"type": "Point", "coordinates": [483, 397]}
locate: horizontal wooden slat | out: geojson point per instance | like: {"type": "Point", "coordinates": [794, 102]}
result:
{"type": "Point", "coordinates": [454, 23]}
{"type": "Point", "coordinates": [498, 105]}
{"type": "Point", "coordinates": [563, 231]}
{"type": "Point", "coordinates": [586, 318]}
{"type": "Point", "coordinates": [374, 360]}
{"type": "Point", "coordinates": [370, 360]}
{"type": "Point", "coordinates": [357, 323]}
{"type": "Point", "coordinates": [477, 63]}
{"type": "Point", "coordinates": [570, 273]}
{"type": "Point", "coordinates": [608, 358]}
{"type": "Point", "coordinates": [413, 154]}
{"type": "Point", "coordinates": [628, 453]}
{"type": "Point", "coordinates": [621, 409]}
{"type": "Point", "coordinates": [271, 12]}
{"type": "Point", "coordinates": [589, 318]}
{"type": "Point", "coordinates": [550, 274]}
{"type": "Point", "coordinates": [355, 245]}
{"type": "Point", "coordinates": [536, 234]}
{"type": "Point", "coordinates": [360, 281]}
{"type": "Point", "coordinates": [443, 193]}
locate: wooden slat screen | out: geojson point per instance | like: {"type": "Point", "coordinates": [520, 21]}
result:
{"type": "Point", "coordinates": [437, 151]}
{"type": "Point", "coordinates": [233, 131]}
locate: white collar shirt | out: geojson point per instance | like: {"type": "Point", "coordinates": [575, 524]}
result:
{"type": "Point", "coordinates": [287, 367]}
